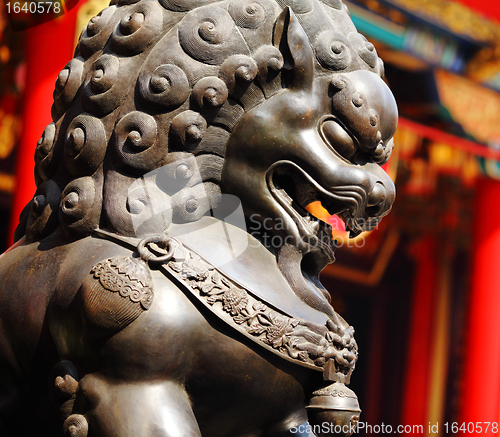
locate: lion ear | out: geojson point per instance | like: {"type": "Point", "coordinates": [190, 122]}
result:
{"type": "Point", "coordinates": [291, 39]}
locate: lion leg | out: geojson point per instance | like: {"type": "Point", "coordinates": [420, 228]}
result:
{"type": "Point", "coordinates": [135, 408]}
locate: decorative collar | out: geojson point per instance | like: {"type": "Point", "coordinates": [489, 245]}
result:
{"type": "Point", "coordinates": [324, 348]}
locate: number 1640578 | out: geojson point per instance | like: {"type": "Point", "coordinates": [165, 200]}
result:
{"type": "Point", "coordinates": [471, 427]}
{"type": "Point", "coordinates": [33, 7]}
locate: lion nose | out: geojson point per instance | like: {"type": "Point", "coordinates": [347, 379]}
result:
{"type": "Point", "coordinates": [378, 200]}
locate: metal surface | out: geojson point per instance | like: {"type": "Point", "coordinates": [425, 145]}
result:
{"type": "Point", "coordinates": [165, 281]}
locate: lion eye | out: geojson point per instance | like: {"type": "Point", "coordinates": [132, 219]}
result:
{"type": "Point", "coordinates": [338, 139]}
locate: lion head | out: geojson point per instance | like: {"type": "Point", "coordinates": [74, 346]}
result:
{"type": "Point", "coordinates": [278, 102]}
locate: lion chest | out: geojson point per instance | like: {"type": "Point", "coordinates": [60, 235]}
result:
{"type": "Point", "coordinates": [225, 377]}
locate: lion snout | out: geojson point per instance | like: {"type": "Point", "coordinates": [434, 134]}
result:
{"type": "Point", "coordinates": [379, 200]}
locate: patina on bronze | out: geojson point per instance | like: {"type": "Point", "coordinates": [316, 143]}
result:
{"type": "Point", "coordinates": [135, 302]}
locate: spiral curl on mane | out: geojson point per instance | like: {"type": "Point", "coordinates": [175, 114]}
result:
{"type": "Point", "coordinates": [154, 82]}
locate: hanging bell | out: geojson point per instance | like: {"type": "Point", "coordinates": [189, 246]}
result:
{"type": "Point", "coordinates": [334, 411]}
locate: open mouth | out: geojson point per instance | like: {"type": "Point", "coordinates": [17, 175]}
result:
{"type": "Point", "coordinates": [294, 190]}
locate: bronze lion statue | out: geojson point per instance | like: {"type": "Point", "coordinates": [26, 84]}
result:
{"type": "Point", "coordinates": [164, 280]}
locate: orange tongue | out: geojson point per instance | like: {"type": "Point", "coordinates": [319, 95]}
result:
{"type": "Point", "coordinates": [338, 226]}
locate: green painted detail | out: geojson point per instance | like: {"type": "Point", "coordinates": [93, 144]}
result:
{"type": "Point", "coordinates": [434, 47]}
{"type": "Point", "coordinates": [383, 35]}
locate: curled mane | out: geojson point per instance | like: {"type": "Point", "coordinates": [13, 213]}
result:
{"type": "Point", "coordinates": [161, 84]}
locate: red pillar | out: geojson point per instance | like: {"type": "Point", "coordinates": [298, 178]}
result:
{"type": "Point", "coordinates": [373, 394]}
{"type": "Point", "coordinates": [489, 8]}
{"type": "Point", "coordinates": [48, 48]}
{"type": "Point", "coordinates": [416, 388]}
{"type": "Point", "coordinates": [481, 371]}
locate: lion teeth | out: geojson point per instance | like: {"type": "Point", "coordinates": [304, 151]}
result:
{"type": "Point", "coordinates": [354, 234]}
{"type": "Point", "coordinates": [315, 226]}
{"type": "Point", "coordinates": [286, 197]}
